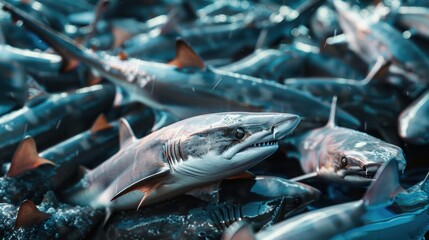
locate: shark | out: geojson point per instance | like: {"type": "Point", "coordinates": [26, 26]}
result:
{"type": "Point", "coordinates": [195, 153]}
{"type": "Point", "coordinates": [50, 118]}
{"type": "Point", "coordinates": [413, 125]}
{"type": "Point", "coordinates": [386, 211]}
{"type": "Point", "coordinates": [242, 30]}
{"type": "Point", "coordinates": [262, 201]}
{"type": "Point", "coordinates": [374, 102]}
{"type": "Point", "coordinates": [31, 174]}
{"type": "Point", "coordinates": [343, 155]}
{"type": "Point", "coordinates": [370, 40]}
{"type": "Point", "coordinates": [186, 86]}
{"type": "Point", "coordinates": [292, 60]}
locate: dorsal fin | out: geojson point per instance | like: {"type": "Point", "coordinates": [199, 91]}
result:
{"type": "Point", "coordinates": [186, 56]}
{"type": "Point", "coordinates": [29, 215]}
{"type": "Point", "coordinates": [379, 70]}
{"type": "Point", "coordinates": [100, 9]}
{"type": "Point", "coordinates": [385, 185]}
{"type": "Point", "coordinates": [126, 133]}
{"type": "Point", "coordinates": [190, 13]}
{"type": "Point", "coordinates": [100, 124]}
{"type": "Point", "coordinates": [331, 121]}
{"type": "Point", "coordinates": [239, 231]}
{"type": "Point", "coordinates": [26, 158]}
{"type": "Point", "coordinates": [425, 183]}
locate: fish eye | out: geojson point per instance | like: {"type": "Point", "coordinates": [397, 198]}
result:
{"type": "Point", "coordinates": [297, 201]}
{"type": "Point", "coordinates": [344, 161]}
{"type": "Point", "coordinates": [239, 133]}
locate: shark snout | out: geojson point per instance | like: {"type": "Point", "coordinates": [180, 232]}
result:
{"type": "Point", "coordinates": [284, 125]}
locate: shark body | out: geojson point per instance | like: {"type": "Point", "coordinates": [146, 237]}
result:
{"type": "Point", "coordinates": [186, 87]}
{"type": "Point", "coordinates": [386, 211]}
{"type": "Point", "coordinates": [183, 156]}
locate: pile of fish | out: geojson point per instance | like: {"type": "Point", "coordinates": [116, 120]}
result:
{"type": "Point", "coordinates": [244, 119]}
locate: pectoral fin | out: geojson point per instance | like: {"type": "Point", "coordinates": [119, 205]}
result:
{"type": "Point", "coordinates": [243, 175]}
{"type": "Point", "coordinates": [146, 185]}
{"type": "Point", "coordinates": [305, 177]}
{"type": "Point", "coordinates": [385, 186]}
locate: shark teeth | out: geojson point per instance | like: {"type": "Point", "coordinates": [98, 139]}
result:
{"type": "Point", "coordinates": [264, 144]}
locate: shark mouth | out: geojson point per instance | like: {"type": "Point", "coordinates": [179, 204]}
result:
{"type": "Point", "coordinates": [361, 174]}
{"type": "Point", "coordinates": [265, 144]}
{"type": "Point", "coordinates": [364, 174]}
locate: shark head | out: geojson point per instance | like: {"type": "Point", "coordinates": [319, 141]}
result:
{"type": "Point", "coordinates": [354, 26]}
{"type": "Point", "coordinates": [221, 143]}
{"type": "Point", "coordinates": [355, 158]}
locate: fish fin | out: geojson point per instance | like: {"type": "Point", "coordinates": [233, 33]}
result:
{"type": "Point", "coordinates": [26, 158]}
{"type": "Point", "coordinates": [243, 175]}
{"type": "Point", "coordinates": [385, 185]}
{"type": "Point", "coordinates": [35, 90]}
{"type": "Point", "coordinates": [29, 215]}
{"type": "Point", "coordinates": [337, 40]}
{"type": "Point", "coordinates": [208, 193]}
{"type": "Point", "coordinates": [239, 231]}
{"type": "Point", "coordinates": [189, 10]}
{"type": "Point", "coordinates": [162, 119]}
{"type": "Point", "coordinates": [82, 171]}
{"type": "Point", "coordinates": [126, 133]}
{"type": "Point", "coordinates": [186, 56]}
{"type": "Point", "coordinates": [170, 26]}
{"type": "Point", "coordinates": [331, 121]}
{"type": "Point", "coordinates": [305, 177]}
{"type": "Point", "coordinates": [100, 9]}
{"type": "Point", "coordinates": [147, 190]}
{"type": "Point", "coordinates": [176, 15]}
{"type": "Point", "coordinates": [100, 124]}
{"type": "Point", "coordinates": [145, 185]}
{"type": "Point", "coordinates": [425, 183]}
{"type": "Point", "coordinates": [378, 71]}
{"type": "Point", "coordinates": [261, 42]}
{"type": "Point", "coordinates": [107, 216]}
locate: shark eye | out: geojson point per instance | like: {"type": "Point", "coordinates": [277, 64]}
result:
{"type": "Point", "coordinates": [344, 161]}
{"type": "Point", "coordinates": [239, 133]}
